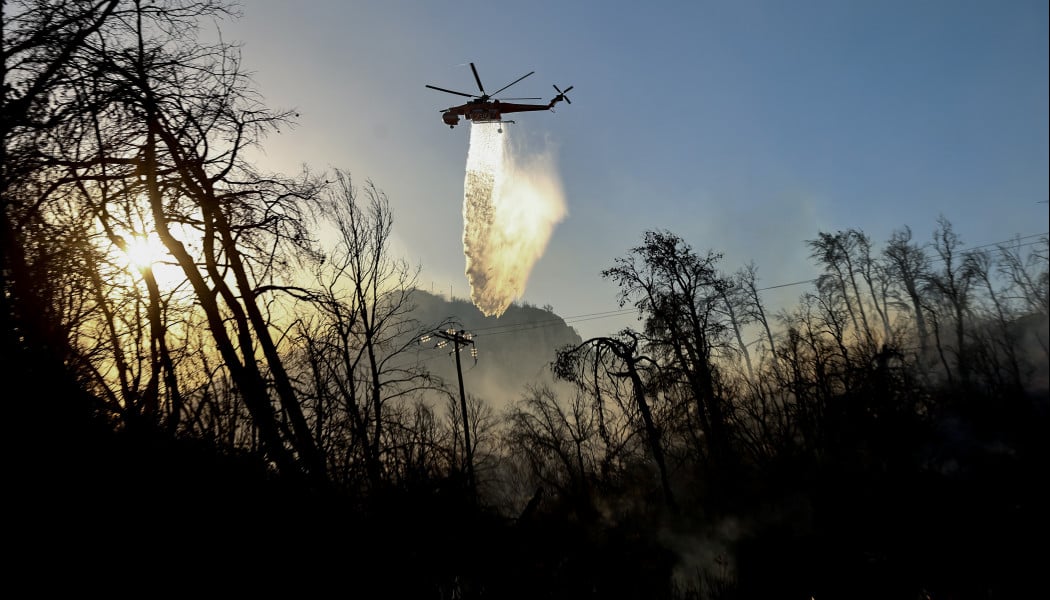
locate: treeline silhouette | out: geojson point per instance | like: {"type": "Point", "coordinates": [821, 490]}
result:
{"type": "Point", "coordinates": [255, 412]}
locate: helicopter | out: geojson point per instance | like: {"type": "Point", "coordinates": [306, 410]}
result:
{"type": "Point", "coordinates": [486, 109]}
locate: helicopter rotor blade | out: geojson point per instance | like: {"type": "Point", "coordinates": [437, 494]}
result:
{"type": "Point", "coordinates": [513, 82]}
{"type": "Point", "coordinates": [434, 87]}
{"type": "Point", "coordinates": [504, 99]}
{"type": "Point", "coordinates": [478, 79]}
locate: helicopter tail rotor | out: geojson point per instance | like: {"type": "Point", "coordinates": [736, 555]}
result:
{"type": "Point", "coordinates": [561, 94]}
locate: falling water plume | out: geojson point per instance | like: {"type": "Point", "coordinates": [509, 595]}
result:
{"type": "Point", "coordinates": [510, 208]}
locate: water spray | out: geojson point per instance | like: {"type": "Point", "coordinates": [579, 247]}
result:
{"type": "Point", "coordinates": [510, 208]}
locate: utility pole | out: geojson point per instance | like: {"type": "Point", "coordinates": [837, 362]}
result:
{"type": "Point", "coordinates": [461, 338]}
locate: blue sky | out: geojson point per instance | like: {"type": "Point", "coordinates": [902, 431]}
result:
{"type": "Point", "coordinates": [745, 127]}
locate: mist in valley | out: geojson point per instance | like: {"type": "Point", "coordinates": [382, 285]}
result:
{"type": "Point", "coordinates": [513, 351]}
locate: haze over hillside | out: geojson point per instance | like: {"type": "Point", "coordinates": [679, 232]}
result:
{"type": "Point", "coordinates": [514, 350]}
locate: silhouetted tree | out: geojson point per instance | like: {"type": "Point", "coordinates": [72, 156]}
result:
{"type": "Point", "coordinates": [43, 42]}
{"type": "Point", "coordinates": [678, 294]}
{"type": "Point", "coordinates": [735, 304]}
{"type": "Point", "coordinates": [361, 349]}
{"type": "Point", "coordinates": [1028, 283]}
{"type": "Point", "coordinates": [834, 251]}
{"type": "Point", "coordinates": [754, 307]}
{"type": "Point", "coordinates": [147, 128]}
{"type": "Point", "coordinates": [1003, 338]}
{"type": "Point", "coordinates": [951, 285]}
{"type": "Point", "coordinates": [909, 266]}
{"type": "Point", "coordinates": [574, 449]}
{"type": "Point", "coordinates": [598, 362]}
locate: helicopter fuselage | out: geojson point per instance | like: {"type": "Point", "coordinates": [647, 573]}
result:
{"type": "Point", "coordinates": [487, 112]}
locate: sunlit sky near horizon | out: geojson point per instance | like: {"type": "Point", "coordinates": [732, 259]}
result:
{"type": "Point", "coordinates": [744, 126]}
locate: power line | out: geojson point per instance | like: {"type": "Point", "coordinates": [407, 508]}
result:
{"type": "Point", "coordinates": [518, 327]}
{"type": "Point", "coordinates": [1015, 239]}
{"type": "Point", "coordinates": [583, 317]}
{"type": "Point", "coordinates": [784, 285]}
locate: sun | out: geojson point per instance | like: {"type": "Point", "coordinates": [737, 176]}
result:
{"type": "Point", "coordinates": [143, 252]}
{"type": "Point", "coordinates": [146, 254]}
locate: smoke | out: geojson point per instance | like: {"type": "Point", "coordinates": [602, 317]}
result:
{"type": "Point", "coordinates": [510, 208]}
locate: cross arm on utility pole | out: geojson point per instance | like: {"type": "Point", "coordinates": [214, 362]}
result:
{"type": "Point", "coordinates": [457, 338]}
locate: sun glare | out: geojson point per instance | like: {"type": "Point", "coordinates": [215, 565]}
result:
{"type": "Point", "coordinates": [144, 251]}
